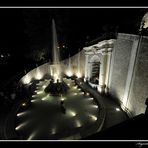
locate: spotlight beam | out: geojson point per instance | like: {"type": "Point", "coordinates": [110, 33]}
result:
{"type": "Point", "coordinates": [21, 114]}
{"type": "Point", "coordinates": [32, 135]}
{"type": "Point", "coordinates": [21, 125]}
{"type": "Point", "coordinates": [94, 118]}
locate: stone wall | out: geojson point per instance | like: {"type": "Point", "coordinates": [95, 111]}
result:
{"type": "Point", "coordinates": [139, 87]}
{"type": "Point", "coordinates": [129, 74]}
{"type": "Point", "coordinates": [122, 53]}
{"type": "Point", "coordinates": [39, 72]}
{"type": "Point", "coordinates": [74, 63]}
{"type": "Point", "coordinates": [36, 73]}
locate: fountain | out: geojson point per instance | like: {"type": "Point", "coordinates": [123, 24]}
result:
{"type": "Point", "coordinates": [56, 67]}
{"type": "Point", "coordinates": [56, 86]}
{"type": "Point", "coordinates": [69, 71]}
{"type": "Point", "coordinates": [78, 74]}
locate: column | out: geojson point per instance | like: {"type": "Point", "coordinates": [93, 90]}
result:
{"type": "Point", "coordinates": [101, 87]}
{"type": "Point", "coordinates": [86, 67]}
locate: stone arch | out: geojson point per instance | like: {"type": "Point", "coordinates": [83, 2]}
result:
{"type": "Point", "coordinates": [94, 68]}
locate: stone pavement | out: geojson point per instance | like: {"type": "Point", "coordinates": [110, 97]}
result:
{"type": "Point", "coordinates": [113, 116]}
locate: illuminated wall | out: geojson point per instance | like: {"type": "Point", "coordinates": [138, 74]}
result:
{"type": "Point", "coordinates": [36, 73]}
{"type": "Point", "coordinates": [139, 86]}
{"type": "Point", "coordinates": [120, 62]}
{"type": "Point", "coordinates": [78, 58]}
{"type": "Point", "coordinates": [129, 84]}
{"type": "Point", "coordinates": [44, 69]}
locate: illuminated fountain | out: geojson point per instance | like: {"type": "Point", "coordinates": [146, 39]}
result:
{"type": "Point", "coordinates": [69, 71]}
{"type": "Point", "coordinates": [78, 74]}
{"type": "Point", "coordinates": [56, 86]}
{"type": "Point", "coordinates": [56, 67]}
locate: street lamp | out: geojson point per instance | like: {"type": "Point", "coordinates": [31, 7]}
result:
{"type": "Point", "coordinates": [145, 21]}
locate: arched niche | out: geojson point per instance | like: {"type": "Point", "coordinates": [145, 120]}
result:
{"type": "Point", "coordinates": [94, 68]}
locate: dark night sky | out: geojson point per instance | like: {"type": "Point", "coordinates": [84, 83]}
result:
{"type": "Point", "coordinates": [24, 30]}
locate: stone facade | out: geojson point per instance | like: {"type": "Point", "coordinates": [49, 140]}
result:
{"type": "Point", "coordinates": [100, 52]}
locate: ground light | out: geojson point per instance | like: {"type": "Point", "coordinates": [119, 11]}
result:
{"type": "Point", "coordinates": [69, 73]}
{"type": "Point", "coordinates": [94, 106]}
{"type": "Point", "coordinates": [53, 131]}
{"type": "Point", "coordinates": [78, 124]}
{"type": "Point", "coordinates": [90, 98]}
{"type": "Point", "coordinates": [44, 98]}
{"type": "Point", "coordinates": [93, 117]}
{"type": "Point", "coordinates": [33, 96]}
{"type": "Point", "coordinates": [44, 86]}
{"type": "Point", "coordinates": [75, 87]}
{"type": "Point", "coordinates": [32, 135]}
{"type": "Point", "coordinates": [82, 93]}
{"type": "Point", "coordinates": [87, 94]}
{"type": "Point", "coordinates": [78, 75]}
{"type": "Point", "coordinates": [75, 94]}
{"type": "Point", "coordinates": [24, 104]}
{"type": "Point", "coordinates": [33, 100]}
{"type": "Point", "coordinates": [62, 99]}
{"type": "Point", "coordinates": [39, 92]}
{"type": "Point", "coordinates": [117, 109]}
{"type": "Point", "coordinates": [21, 114]}
{"type": "Point", "coordinates": [21, 125]}
{"type": "Point", "coordinates": [39, 75]}
{"type": "Point", "coordinates": [71, 113]}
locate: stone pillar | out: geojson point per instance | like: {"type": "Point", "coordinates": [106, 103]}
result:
{"type": "Point", "coordinates": [86, 67]}
{"type": "Point", "coordinates": [108, 63]}
{"type": "Point", "coordinates": [89, 66]}
{"type": "Point", "coordinates": [102, 75]}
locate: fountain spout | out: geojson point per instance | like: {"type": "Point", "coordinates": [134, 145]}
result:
{"type": "Point", "coordinates": [56, 67]}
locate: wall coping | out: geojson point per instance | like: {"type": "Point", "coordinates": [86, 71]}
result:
{"type": "Point", "coordinates": [129, 36]}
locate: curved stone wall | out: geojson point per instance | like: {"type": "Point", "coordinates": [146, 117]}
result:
{"type": "Point", "coordinates": [36, 73]}
{"type": "Point", "coordinates": [79, 58]}
{"type": "Point", "coordinates": [39, 72]}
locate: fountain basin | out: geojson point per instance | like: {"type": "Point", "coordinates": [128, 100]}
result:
{"type": "Point", "coordinates": [56, 89]}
